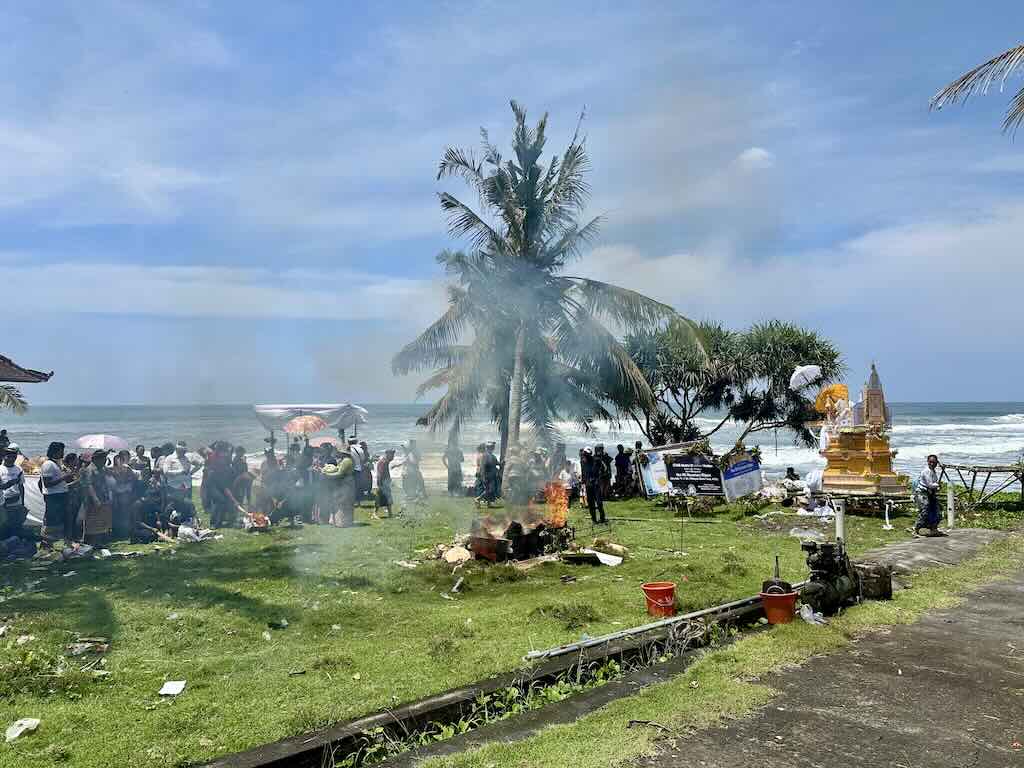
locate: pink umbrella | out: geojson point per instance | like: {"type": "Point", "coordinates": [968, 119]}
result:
{"type": "Point", "coordinates": [102, 443]}
{"type": "Point", "coordinates": [304, 425]}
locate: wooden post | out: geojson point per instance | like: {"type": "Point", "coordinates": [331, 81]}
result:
{"type": "Point", "coordinates": [840, 506]}
{"type": "Point", "coordinates": [950, 506]}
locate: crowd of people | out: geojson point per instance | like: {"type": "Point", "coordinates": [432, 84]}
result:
{"type": "Point", "coordinates": [101, 495]}
{"type": "Point", "coordinates": [599, 477]}
{"type": "Point", "coordinates": [97, 496]}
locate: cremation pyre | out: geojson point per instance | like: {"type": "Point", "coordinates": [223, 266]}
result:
{"type": "Point", "coordinates": [536, 530]}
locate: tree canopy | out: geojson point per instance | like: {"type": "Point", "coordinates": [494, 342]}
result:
{"type": "Point", "coordinates": [520, 338]}
{"type": "Point", "coordinates": [739, 377]}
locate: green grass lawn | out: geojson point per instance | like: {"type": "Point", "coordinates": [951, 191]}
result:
{"type": "Point", "coordinates": [364, 632]}
{"type": "Point", "coordinates": [727, 682]}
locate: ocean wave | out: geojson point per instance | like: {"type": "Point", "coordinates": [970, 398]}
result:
{"type": "Point", "coordinates": [1010, 418]}
{"type": "Point", "coordinates": [1006, 448]}
{"type": "Point", "coordinates": [901, 429]}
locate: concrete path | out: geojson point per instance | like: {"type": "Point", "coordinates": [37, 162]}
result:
{"type": "Point", "coordinates": [947, 691]}
{"type": "Point", "coordinates": [919, 553]}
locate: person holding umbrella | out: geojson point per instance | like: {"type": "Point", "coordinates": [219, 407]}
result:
{"type": "Point", "coordinates": [97, 499]}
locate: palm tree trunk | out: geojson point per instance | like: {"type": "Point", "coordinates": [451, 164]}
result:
{"type": "Point", "coordinates": [515, 407]}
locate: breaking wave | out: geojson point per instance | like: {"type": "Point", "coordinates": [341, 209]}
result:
{"type": "Point", "coordinates": [1010, 418]}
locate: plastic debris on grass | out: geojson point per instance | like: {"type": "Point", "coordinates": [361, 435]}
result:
{"type": "Point", "coordinates": [811, 616]}
{"type": "Point", "coordinates": [457, 555]}
{"type": "Point", "coordinates": [21, 727]}
{"type": "Point", "coordinates": [88, 645]}
{"type": "Point", "coordinates": [172, 688]}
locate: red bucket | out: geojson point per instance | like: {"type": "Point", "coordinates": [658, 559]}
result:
{"type": "Point", "coordinates": [661, 597]}
{"type": "Point", "coordinates": [779, 607]}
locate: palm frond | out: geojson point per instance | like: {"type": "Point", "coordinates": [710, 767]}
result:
{"type": "Point", "coordinates": [571, 241]}
{"type": "Point", "coordinates": [980, 79]}
{"type": "Point", "coordinates": [464, 221]}
{"type": "Point", "coordinates": [626, 307]}
{"type": "Point", "coordinates": [11, 399]}
{"type": "Point", "coordinates": [436, 346]}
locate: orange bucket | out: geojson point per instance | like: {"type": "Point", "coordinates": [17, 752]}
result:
{"type": "Point", "coordinates": [779, 607]}
{"type": "Point", "coordinates": [661, 597]}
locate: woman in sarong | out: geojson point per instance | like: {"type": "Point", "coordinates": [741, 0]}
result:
{"type": "Point", "coordinates": [97, 499]}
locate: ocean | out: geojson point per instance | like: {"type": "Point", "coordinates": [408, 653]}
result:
{"type": "Point", "coordinates": [989, 433]}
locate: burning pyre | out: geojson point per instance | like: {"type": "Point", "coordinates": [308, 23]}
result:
{"type": "Point", "coordinates": [538, 528]}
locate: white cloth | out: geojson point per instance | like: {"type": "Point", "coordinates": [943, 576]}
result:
{"type": "Point", "coordinates": [927, 481]}
{"type": "Point", "coordinates": [177, 473]}
{"type": "Point", "coordinates": [52, 471]}
{"type": "Point", "coordinates": [357, 458]}
{"type": "Point", "coordinates": [11, 495]}
{"type": "Point", "coordinates": [813, 480]}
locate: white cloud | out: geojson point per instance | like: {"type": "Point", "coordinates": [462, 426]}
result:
{"type": "Point", "coordinates": [212, 291]}
{"type": "Point", "coordinates": [943, 280]}
{"type": "Point", "coordinates": [755, 159]}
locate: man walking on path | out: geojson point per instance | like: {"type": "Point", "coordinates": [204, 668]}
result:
{"type": "Point", "coordinates": [926, 494]}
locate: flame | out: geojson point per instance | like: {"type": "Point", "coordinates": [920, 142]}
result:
{"type": "Point", "coordinates": [556, 504]}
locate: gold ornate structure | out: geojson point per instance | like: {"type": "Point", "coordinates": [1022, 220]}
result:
{"type": "Point", "coordinates": [858, 456]}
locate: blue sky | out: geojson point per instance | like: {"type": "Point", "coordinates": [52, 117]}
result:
{"type": "Point", "coordinates": [229, 202]}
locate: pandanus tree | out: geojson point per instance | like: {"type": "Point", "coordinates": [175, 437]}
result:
{"type": "Point", "coordinates": [520, 337]}
{"type": "Point", "coordinates": [981, 78]}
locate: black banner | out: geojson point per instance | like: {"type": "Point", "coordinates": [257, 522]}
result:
{"type": "Point", "coordinates": [694, 475]}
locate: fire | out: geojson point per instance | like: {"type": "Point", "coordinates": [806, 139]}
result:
{"type": "Point", "coordinates": [556, 503]}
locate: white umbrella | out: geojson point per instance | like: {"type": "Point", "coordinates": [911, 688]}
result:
{"type": "Point", "coordinates": [102, 443]}
{"type": "Point", "coordinates": [804, 375]}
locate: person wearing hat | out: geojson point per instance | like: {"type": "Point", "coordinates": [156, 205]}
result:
{"type": "Point", "coordinates": [385, 495]}
{"type": "Point", "coordinates": [53, 483]}
{"type": "Point", "coordinates": [12, 495]}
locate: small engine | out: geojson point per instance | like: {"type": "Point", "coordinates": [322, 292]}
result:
{"type": "Point", "coordinates": [833, 582]}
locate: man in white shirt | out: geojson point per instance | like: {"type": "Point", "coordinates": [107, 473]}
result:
{"type": "Point", "coordinates": [569, 480]}
{"type": "Point", "coordinates": [12, 494]}
{"type": "Point", "coordinates": [177, 469]}
{"type": "Point", "coordinates": [58, 523]}
{"type": "Point", "coordinates": [926, 493]}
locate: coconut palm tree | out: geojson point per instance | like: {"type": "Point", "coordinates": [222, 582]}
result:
{"type": "Point", "coordinates": [11, 399]}
{"type": "Point", "coordinates": [981, 78]}
{"type": "Point", "coordinates": [539, 347]}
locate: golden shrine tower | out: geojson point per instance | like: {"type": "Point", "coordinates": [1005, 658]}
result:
{"type": "Point", "coordinates": [858, 457]}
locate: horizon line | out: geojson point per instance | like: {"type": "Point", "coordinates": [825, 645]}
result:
{"type": "Point", "coordinates": [31, 406]}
